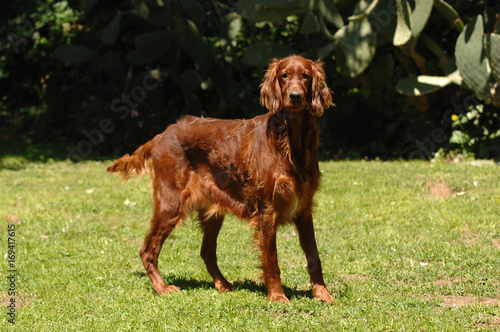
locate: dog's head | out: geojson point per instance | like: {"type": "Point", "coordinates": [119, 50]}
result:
{"type": "Point", "coordinates": [297, 84]}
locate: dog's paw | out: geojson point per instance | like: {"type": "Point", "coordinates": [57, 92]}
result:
{"type": "Point", "coordinates": [224, 287]}
{"type": "Point", "coordinates": [321, 293]}
{"type": "Point", "coordinates": [167, 289]}
{"type": "Point", "coordinates": [278, 298]}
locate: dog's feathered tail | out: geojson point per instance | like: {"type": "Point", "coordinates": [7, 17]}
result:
{"type": "Point", "coordinates": [138, 163]}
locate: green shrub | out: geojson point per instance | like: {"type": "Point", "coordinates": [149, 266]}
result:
{"type": "Point", "coordinates": [102, 77]}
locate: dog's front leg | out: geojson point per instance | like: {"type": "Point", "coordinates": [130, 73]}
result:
{"type": "Point", "coordinates": [305, 228]}
{"type": "Point", "coordinates": [266, 237]}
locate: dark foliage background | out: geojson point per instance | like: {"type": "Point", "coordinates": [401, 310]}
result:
{"type": "Point", "coordinates": [99, 77]}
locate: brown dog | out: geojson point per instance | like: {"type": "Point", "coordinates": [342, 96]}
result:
{"type": "Point", "coordinates": [264, 170]}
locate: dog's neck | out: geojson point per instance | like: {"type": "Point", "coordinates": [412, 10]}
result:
{"type": "Point", "coordinates": [297, 136]}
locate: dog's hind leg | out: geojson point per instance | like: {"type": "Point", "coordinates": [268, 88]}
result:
{"type": "Point", "coordinates": [211, 224]}
{"type": "Point", "coordinates": [163, 222]}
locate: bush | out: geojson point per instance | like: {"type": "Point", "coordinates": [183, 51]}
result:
{"type": "Point", "coordinates": [102, 77]}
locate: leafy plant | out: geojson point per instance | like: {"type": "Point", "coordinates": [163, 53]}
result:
{"type": "Point", "coordinates": [375, 42]}
{"type": "Point", "coordinates": [33, 29]}
{"type": "Point", "coordinates": [476, 132]}
{"type": "Point", "coordinates": [474, 59]}
{"type": "Point", "coordinates": [67, 65]}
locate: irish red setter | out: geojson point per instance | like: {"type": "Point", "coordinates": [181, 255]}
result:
{"type": "Point", "coordinates": [264, 170]}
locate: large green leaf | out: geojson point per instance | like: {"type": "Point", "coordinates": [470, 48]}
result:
{"type": "Point", "coordinates": [459, 137]}
{"type": "Point", "coordinates": [357, 42]}
{"type": "Point", "coordinates": [420, 16]}
{"type": "Point", "coordinates": [310, 23]}
{"type": "Point", "coordinates": [193, 10]}
{"type": "Point", "coordinates": [110, 33]}
{"type": "Point", "coordinates": [402, 34]}
{"type": "Point", "coordinates": [392, 18]}
{"type": "Point", "coordinates": [330, 12]}
{"type": "Point", "coordinates": [493, 54]}
{"type": "Point", "coordinates": [259, 54]}
{"type": "Point", "coordinates": [73, 53]}
{"type": "Point", "coordinates": [152, 41]}
{"type": "Point", "coordinates": [420, 85]}
{"type": "Point", "coordinates": [150, 47]}
{"type": "Point", "coordinates": [471, 58]}
{"type": "Point", "coordinates": [449, 13]}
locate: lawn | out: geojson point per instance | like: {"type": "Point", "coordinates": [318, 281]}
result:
{"type": "Point", "coordinates": [405, 246]}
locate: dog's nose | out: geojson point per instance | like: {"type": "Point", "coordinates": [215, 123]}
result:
{"type": "Point", "coordinates": [295, 96]}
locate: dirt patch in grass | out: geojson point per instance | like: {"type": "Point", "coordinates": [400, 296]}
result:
{"type": "Point", "coordinates": [21, 301]}
{"type": "Point", "coordinates": [453, 301]}
{"type": "Point", "coordinates": [439, 189]}
{"type": "Point", "coordinates": [469, 238]}
{"type": "Point", "coordinates": [133, 241]}
{"type": "Point", "coordinates": [12, 219]}
{"type": "Point", "coordinates": [449, 282]}
{"type": "Point", "coordinates": [456, 301]}
{"type": "Point", "coordinates": [355, 277]}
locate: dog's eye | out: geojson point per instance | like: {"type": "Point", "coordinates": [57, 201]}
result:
{"type": "Point", "coordinates": [284, 75]}
{"type": "Point", "coordinates": [305, 76]}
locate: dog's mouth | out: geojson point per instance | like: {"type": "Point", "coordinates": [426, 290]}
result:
{"type": "Point", "coordinates": [295, 105]}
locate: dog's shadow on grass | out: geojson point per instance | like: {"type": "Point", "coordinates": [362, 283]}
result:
{"type": "Point", "coordinates": [341, 289]}
{"type": "Point", "coordinates": [249, 285]}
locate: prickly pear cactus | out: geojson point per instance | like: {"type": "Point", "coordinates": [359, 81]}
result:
{"type": "Point", "coordinates": [471, 59]}
{"type": "Point", "coordinates": [449, 13]}
{"type": "Point", "coordinates": [358, 45]}
{"type": "Point", "coordinates": [403, 26]}
{"type": "Point", "coordinates": [423, 84]}
{"type": "Point", "coordinates": [420, 16]}
{"type": "Point", "coordinates": [493, 54]}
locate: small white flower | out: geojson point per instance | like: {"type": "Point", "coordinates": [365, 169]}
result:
{"type": "Point", "coordinates": [128, 203]}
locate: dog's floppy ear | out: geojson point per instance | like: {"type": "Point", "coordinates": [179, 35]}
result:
{"type": "Point", "coordinates": [321, 96]}
{"type": "Point", "coordinates": [270, 90]}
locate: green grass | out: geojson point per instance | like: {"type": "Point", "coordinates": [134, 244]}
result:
{"type": "Point", "coordinates": [396, 256]}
